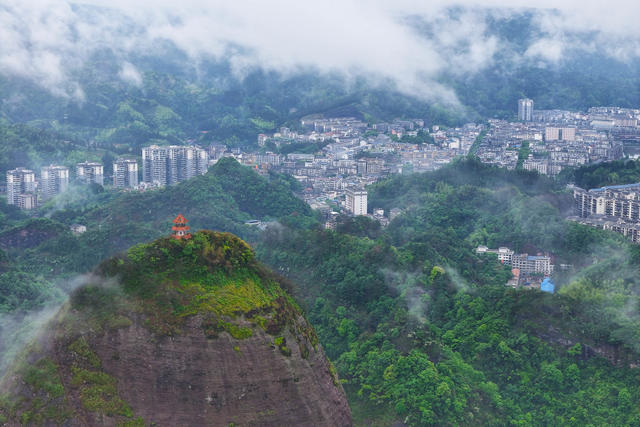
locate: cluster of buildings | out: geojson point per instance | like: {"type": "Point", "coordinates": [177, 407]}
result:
{"type": "Point", "coordinates": [168, 165]}
{"type": "Point", "coordinates": [160, 166]}
{"type": "Point", "coordinates": [529, 271]}
{"type": "Point", "coordinates": [354, 155]}
{"type": "Point", "coordinates": [26, 191]}
{"type": "Point", "coordinates": [615, 208]}
{"type": "Point", "coordinates": [558, 139]}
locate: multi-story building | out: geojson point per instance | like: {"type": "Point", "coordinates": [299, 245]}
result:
{"type": "Point", "coordinates": [505, 255]}
{"type": "Point", "coordinates": [617, 201]}
{"type": "Point", "coordinates": [125, 173]}
{"type": "Point", "coordinates": [525, 109]}
{"type": "Point", "coordinates": [172, 164]}
{"type": "Point", "coordinates": [554, 133]}
{"type": "Point", "coordinates": [615, 208]}
{"type": "Point", "coordinates": [356, 201]}
{"type": "Point", "coordinates": [525, 263]}
{"type": "Point", "coordinates": [53, 180]}
{"type": "Point", "coordinates": [27, 201]}
{"type": "Point", "coordinates": [629, 229]}
{"type": "Point", "coordinates": [532, 264]}
{"type": "Point", "coordinates": [90, 172]}
{"type": "Point", "coordinates": [21, 187]}
{"type": "Point", "coordinates": [154, 165]}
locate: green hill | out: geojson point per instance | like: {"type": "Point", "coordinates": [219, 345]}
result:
{"type": "Point", "coordinates": [223, 199]}
{"type": "Point", "coordinates": [190, 332]}
{"type": "Point", "coordinates": [424, 331]}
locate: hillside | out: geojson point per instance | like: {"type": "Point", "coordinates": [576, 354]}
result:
{"type": "Point", "coordinates": [424, 331]}
{"type": "Point", "coordinates": [223, 199]}
{"type": "Point", "coordinates": [177, 333]}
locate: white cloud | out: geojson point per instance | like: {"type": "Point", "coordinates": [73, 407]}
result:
{"type": "Point", "coordinates": [48, 41]}
{"type": "Point", "coordinates": [130, 74]}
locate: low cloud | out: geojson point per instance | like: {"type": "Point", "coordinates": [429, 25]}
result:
{"type": "Point", "coordinates": [406, 43]}
{"type": "Point", "coordinates": [19, 329]}
{"type": "Point", "coordinates": [130, 74]}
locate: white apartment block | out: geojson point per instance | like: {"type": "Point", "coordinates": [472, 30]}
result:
{"type": "Point", "coordinates": [356, 202]}
{"type": "Point", "coordinates": [20, 181]}
{"type": "Point", "coordinates": [90, 172]}
{"type": "Point", "coordinates": [125, 173]}
{"type": "Point", "coordinates": [54, 180]}
{"type": "Point", "coordinates": [172, 164]}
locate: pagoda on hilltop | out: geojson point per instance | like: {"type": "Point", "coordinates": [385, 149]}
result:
{"type": "Point", "coordinates": [180, 228]}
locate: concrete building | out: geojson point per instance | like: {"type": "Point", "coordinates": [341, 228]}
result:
{"type": "Point", "coordinates": [27, 201]}
{"type": "Point", "coordinates": [53, 180]}
{"type": "Point", "coordinates": [524, 263]}
{"type": "Point", "coordinates": [356, 202]}
{"type": "Point", "coordinates": [525, 109]}
{"type": "Point", "coordinates": [172, 164]}
{"type": "Point", "coordinates": [154, 165]}
{"type": "Point", "coordinates": [90, 172]}
{"type": "Point", "coordinates": [20, 181]}
{"type": "Point", "coordinates": [554, 133]}
{"type": "Point", "coordinates": [125, 173]}
{"type": "Point", "coordinates": [617, 201]}
{"type": "Point", "coordinates": [615, 208]}
{"type": "Point", "coordinates": [532, 264]}
{"type": "Point", "coordinates": [505, 255]}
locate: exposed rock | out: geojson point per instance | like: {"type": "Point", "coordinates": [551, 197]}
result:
{"type": "Point", "coordinates": [222, 347]}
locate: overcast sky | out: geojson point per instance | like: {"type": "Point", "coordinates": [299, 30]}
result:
{"type": "Point", "coordinates": [46, 40]}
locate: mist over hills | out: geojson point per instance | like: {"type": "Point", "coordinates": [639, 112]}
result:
{"type": "Point", "coordinates": [124, 82]}
{"type": "Point", "coordinates": [422, 328]}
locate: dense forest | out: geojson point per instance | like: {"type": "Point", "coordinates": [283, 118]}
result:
{"type": "Point", "coordinates": [423, 330]}
{"type": "Point", "coordinates": [602, 174]}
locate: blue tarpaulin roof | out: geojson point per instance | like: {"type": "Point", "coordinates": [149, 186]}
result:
{"type": "Point", "coordinates": [547, 285]}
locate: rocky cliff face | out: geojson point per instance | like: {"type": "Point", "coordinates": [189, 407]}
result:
{"type": "Point", "coordinates": [177, 334]}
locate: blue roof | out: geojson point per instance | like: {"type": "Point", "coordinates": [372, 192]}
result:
{"type": "Point", "coordinates": [617, 187]}
{"type": "Point", "coordinates": [547, 285]}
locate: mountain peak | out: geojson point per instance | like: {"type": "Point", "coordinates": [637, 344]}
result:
{"type": "Point", "coordinates": [178, 332]}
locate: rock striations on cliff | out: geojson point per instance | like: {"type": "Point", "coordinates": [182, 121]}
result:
{"type": "Point", "coordinates": [177, 333]}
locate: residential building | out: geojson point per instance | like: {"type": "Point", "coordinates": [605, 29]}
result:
{"type": "Point", "coordinates": [53, 180]}
{"type": "Point", "coordinates": [524, 263]}
{"type": "Point", "coordinates": [554, 133]}
{"type": "Point", "coordinates": [356, 202]}
{"type": "Point", "coordinates": [125, 173]}
{"type": "Point", "coordinates": [172, 164]}
{"type": "Point", "coordinates": [505, 255]}
{"type": "Point", "coordinates": [532, 264]}
{"type": "Point", "coordinates": [27, 201]}
{"type": "Point", "coordinates": [21, 181]}
{"type": "Point", "coordinates": [78, 228]}
{"type": "Point", "coordinates": [525, 109]}
{"type": "Point", "coordinates": [617, 201]}
{"type": "Point", "coordinates": [90, 172]}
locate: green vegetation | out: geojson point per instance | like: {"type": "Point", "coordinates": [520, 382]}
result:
{"type": "Point", "coordinates": [424, 331]}
{"type": "Point", "coordinates": [603, 174]}
{"type": "Point", "coordinates": [212, 275]}
{"type": "Point", "coordinates": [99, 393]}
{"type": "Point", "coordinates": [47, 404]}
{"type": "Point", "coordinates": [39, 251]}
{"type": "Point", "coordinates": [523, 154]}
{"type": "Point", "coordinates": [423, 137]}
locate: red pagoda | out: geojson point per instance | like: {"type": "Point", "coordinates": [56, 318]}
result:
{"type": "Point", "coordinates": [180, 229]}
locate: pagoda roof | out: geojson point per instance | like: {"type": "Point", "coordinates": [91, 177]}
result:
{"type": "Point", "coordinates": [180, 220]}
